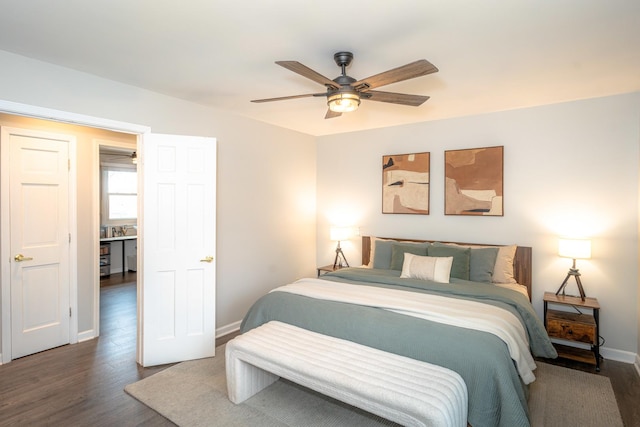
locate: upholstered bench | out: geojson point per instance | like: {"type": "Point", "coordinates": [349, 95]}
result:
{"type": "Point", "coordinates": [404, 390]}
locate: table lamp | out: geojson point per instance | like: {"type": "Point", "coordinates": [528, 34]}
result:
{"type": "Point", "coordinates": [575, 249]}
{"type": "Point", "coordinates": [337, 234]}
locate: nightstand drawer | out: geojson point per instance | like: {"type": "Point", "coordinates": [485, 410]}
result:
{"type": "Point", "coordinates": [571, 326]}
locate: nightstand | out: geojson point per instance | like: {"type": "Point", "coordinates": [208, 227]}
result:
{"type": "Point", "coordinates": [574, 326]}
{"type": "Point", "coordinates": [328, 269]}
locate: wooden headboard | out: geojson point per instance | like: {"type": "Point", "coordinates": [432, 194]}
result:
{"type": "Point", "coordinates": [521, 262]}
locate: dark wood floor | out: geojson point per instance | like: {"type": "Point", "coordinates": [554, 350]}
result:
{"type": "Point", "coordinates": [83, 384]}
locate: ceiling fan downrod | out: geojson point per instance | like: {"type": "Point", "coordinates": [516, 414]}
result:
{"type": "Point", "coordinates": [343, 60]}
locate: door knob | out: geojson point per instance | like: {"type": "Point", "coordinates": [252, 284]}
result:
{"type": "Point", "coordinates": [20, 258]}
{"type": "Point", "coordinates": [207, 259]}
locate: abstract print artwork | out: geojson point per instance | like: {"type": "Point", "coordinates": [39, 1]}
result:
{"type": "Point", "coordinates": [474, 181]}
{"type": "Point", "coordinates": [405, 184]}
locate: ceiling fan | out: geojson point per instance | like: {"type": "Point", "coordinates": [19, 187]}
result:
{"type": "Point", "coordinates": [344, 93]}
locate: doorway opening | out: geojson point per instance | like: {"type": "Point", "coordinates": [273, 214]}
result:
{"type": "Point", "coordinates": [118, 201]}
{"type": "Point", "coordinates": [84, 310]}
{"type": "Point", "coordinates": [177, 181]}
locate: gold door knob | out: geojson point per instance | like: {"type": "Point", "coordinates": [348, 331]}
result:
{"type": "Point", "coordinates": [20, 258]}
{"type": "Point", "coordinates": [207, 259]}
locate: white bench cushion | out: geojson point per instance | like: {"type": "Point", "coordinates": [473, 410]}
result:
{"type": "Point", "coordinates": [401, 389]}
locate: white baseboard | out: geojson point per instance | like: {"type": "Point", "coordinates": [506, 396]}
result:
{"type": "Point", "coordinates": [619, 355]}
{"type": "Point", "coordinates": [86, 335]}
{"type": "Point", "coordinates": [607, 353]}
{"type": "Point", "coordinates": [83, 336]}
{"type": "Point", "coordinates": [228, 329]}
{"type": "Point", "coordinates": [220, 332]}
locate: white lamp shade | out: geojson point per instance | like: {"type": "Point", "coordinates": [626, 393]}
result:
{"type": "Point", "coordinates": [337, 233]}
{"type": "Point", "coordinates": [574, 248]}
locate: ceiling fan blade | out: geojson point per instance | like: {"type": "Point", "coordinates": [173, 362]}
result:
{"type": "Point", "coordinates": [282, 98]}
{"type": "Point", "coordinates": [307, 72]}
{"type": "Point", "coordinates": [415, 69]}
{"type": "Point", "coordinates": [395, 98]}
{"type": "Point", "coordinates": [331, 114]}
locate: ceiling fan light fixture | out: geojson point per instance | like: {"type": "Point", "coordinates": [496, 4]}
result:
{"type": "Point", "coordinates": [344, 93]}
{"type": "Point", "coordinates": [343, 102]}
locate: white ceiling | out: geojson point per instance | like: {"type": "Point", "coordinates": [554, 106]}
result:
{"type": "Point", "coordinates": [493, 54]}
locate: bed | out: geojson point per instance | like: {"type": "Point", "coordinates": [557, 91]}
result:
{"type": "Point", "coordinates": [484, 329]}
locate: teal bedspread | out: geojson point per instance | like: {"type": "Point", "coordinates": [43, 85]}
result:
{"type": "Point", "coordinates": [497, 396]}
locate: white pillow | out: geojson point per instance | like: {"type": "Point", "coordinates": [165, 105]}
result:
{"type": "Point", "coordinates": [437, 269]}
{"type": "Point", "coordinates": [503, 270]}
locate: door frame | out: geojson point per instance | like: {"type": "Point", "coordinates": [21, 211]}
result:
{"type": "Point", "coordinates": [74, 119]}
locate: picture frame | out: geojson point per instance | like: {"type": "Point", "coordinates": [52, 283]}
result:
{"type": "Point", "coordinates": [405, 183]}
{"type": "Point", "coordinates": [474, 181]}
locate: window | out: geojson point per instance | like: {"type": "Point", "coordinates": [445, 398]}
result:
{"type": "Point", "coordinates": [120, 195]}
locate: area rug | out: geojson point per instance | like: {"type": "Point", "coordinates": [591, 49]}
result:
{"type": "Point", "coordinates": [565, 397]}
{"type": "Point", "coordinates": [193, 394]}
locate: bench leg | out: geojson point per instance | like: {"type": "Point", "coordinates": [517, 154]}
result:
{"type": "Point", "coordinates": [244, 379]}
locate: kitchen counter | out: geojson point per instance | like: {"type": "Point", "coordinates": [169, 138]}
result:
{"type": "Point", "coordinates": [114, 239]}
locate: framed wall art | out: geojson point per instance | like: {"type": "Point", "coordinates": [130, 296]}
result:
{"type": "Point", "coordinates": [474, 181]}
{"type": "Point", "coordinates": [405, 183]}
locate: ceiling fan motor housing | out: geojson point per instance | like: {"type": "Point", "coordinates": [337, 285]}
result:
{"type": "Point", "coordinates": [343, 59]}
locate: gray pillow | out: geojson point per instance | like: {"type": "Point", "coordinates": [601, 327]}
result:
{"type": "Point", "coordinates": [382, 255]}
{"type": "Point", "coordinates": [398, 250]}
{"type": "Point", "coordinates": [461, 258]}
{"type": "Point", "coordinates": [482, 263]}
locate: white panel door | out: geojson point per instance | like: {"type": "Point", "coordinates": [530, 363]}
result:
{"type": "Point", "coordinates": [178, 244]}
{"type": "Point", "coordinates": [39, 241]}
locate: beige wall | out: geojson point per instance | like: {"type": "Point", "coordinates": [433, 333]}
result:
{"type": "Point", "coordinates": [569, 168]}
{"type": "Point", "coordinates": [266, 177]}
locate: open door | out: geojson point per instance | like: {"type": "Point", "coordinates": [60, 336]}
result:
{"type": "Point", "coordinates": [176, 252]}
